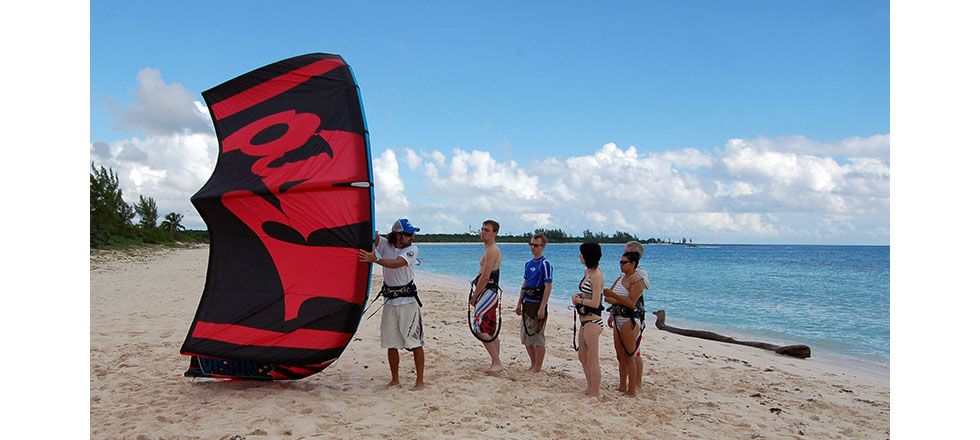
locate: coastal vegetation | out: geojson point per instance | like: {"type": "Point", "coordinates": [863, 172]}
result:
{"type": "Point", "coordinates": [111, 219]}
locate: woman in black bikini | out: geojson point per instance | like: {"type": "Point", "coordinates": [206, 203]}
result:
{"type": "Point", "coordinates": [589, 309]}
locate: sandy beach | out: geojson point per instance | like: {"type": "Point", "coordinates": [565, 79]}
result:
{"type": "Point", "coordinates": [142, 303]}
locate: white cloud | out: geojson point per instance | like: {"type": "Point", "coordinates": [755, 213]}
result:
{"type": "Point", "coordinates": [836, 224]}
{"type": "Point", "coordinates": [539, 219]}
{"type": "Point", "coordinates": [438, 157]}
{"type": "Point", "coordinates": [159, 108]}
{"type": "Point", "coordinates": [761, 190]}
{"type": "Point", "coordinates": [100, 149]}
{"type": "Point", "coordinates": [596, 217]}
{"type": "Point", "coordinates": [432, 172]}
{"type": "Point", "coordinates": [736, 188]}
{"type": "Point", "coordinates": [412, 159]}
{"type": "Point", "coordinates": [389, 188]}
{"type": "Point", "coordinates": [787, 181]}
{"type": "Point", "coordinates": [619, 220]}
{"type": "Point", "coordinates": [688, 158]}
{"type": "Point", "coordinates": [821, 174]}
{"type": "Point", "coordinates": [477, 171]}
{"type": "Point", "coordinates": [725, 222]}
{"type": "Point", "coordinates": [615, 177]}
{"type": "Point", "coordinates": [145, 176]}
{"type": "Point", "coordinates": [876, 146]}
{"type": "Point", "coordinates": [436, 221]}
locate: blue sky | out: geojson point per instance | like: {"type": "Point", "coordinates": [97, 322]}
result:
{"type": "Point", "coordinates": [763, 121]}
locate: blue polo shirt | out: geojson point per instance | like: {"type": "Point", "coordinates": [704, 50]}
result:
{"type": "Point", "coordinates": [537, 272]}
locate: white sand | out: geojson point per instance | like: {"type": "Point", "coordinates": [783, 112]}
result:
{"type": "Point", "coordinates": [142, 304]}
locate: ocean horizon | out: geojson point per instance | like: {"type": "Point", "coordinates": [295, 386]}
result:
{"type": "Point", "coordinates": [834, 298]}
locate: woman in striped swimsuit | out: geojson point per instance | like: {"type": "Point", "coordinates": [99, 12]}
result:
{"type": "Point", "coordinates": [589, 309]}
{"type": "Point", "coordinates": [626, 307]}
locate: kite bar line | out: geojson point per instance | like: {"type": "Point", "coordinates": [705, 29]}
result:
{"type": "Point", "coordinates": [371, 304]}
{"type": "Point", "coordinates": [375, 312]}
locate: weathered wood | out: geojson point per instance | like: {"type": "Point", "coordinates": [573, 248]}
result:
{"type": "Point", "coordinates": [797, 351]}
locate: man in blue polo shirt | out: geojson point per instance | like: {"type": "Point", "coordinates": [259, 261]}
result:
{"type": "Point", "coordinates": [533, 304]}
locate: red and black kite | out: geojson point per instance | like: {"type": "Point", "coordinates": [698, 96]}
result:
{"type": "Point", "coordinates": [288, 206]}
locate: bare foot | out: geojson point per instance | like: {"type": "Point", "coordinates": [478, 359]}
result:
{"type": "Point", "coordinates": [493, 370]}
{"type": "Point", "coordinates": [621, 389]}
{"type": "Point", "coordinates": [418, 386]}
{"type": "Point", "coordinates": [394, 383]}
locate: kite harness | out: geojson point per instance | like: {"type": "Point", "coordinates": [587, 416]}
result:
{"type": "Point", "coordinates": [638, 313]}
{"type": "Point", "coordinates": [537, 294]}
{"type": "Point", "coordinates": [388, 292]}
{"type": "Point", "coordinates": [407, 291]}
{"type": "Point", "coordinates": [584, 286]}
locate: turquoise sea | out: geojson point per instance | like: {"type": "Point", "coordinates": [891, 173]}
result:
{"type": "Point", "coordinates": [833, 298]}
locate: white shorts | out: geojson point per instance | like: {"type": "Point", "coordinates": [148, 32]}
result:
{"type": "Point", "coordinates": [401, 326]}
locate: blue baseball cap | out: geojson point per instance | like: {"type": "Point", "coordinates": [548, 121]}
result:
{"type": "Point", "coordinates": [402, 225]}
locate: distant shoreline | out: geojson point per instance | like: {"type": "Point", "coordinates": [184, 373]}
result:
{"type": "Point", "coordinates": [697, 245]}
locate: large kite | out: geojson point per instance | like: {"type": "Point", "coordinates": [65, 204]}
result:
{"type": "Point", "coordinates": [288, 206]}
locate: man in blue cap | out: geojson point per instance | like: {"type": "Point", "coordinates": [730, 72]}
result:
{"type": "Point", "coordinates": [401, 319]}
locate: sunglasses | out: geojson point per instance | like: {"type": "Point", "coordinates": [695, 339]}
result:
{"type": "Point", "coordinates": [621, 262]}
{"type": "Point", "coordinates": [535, 245]}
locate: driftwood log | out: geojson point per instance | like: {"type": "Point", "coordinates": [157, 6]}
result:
{"type": "Point", "coordinates": [797, 351]}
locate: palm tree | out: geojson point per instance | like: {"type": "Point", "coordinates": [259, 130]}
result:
{"type": "Point", "coordinates": [172, 223]}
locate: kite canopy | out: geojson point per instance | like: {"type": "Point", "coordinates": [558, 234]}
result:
{"type": "Point", "coordinates": [288, 206]}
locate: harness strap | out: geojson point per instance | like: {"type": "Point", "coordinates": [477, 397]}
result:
{"type": "Point", "coordinates": [536, 293]}
{"type": "Point", "coordinates": [577, 319]}
{"type": "Point", "coordinates": [585, 310]}
{"type": "Point", "coordinates": [639, 336]}
{"type": "Point", "coordinates": [408, 290]}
